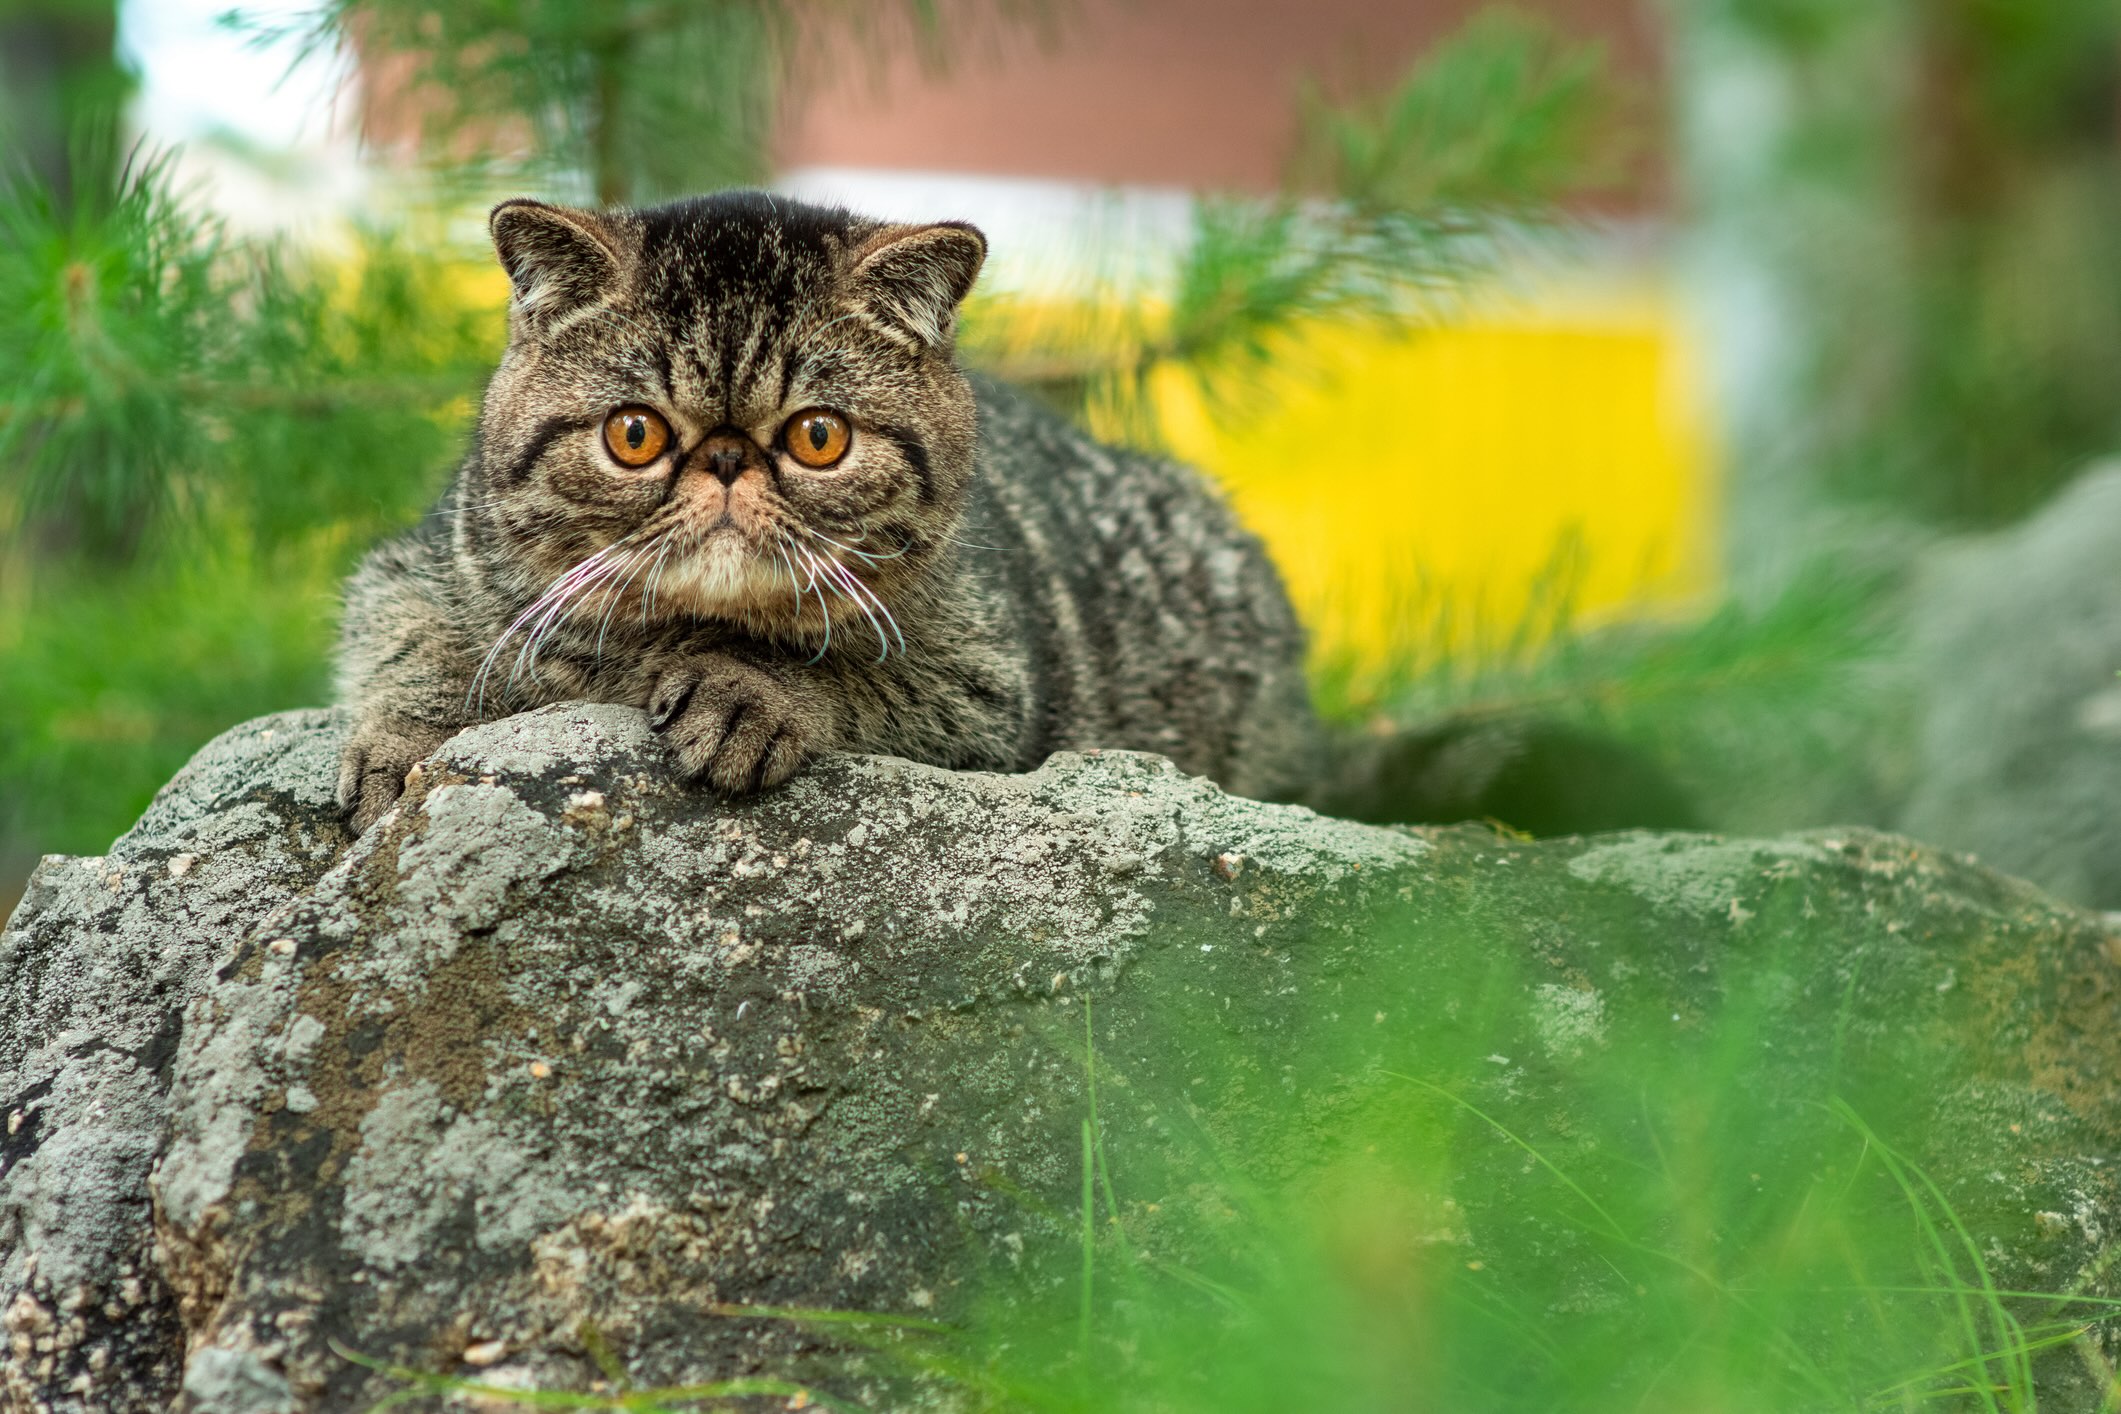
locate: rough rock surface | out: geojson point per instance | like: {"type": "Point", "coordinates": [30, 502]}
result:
{"type": "Point", "coordinates": [2018, 643]}
{"type": "Point", "coordinates": [561, 1043]}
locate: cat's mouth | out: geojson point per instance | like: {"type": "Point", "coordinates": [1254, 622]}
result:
{"type": "Point", "coordinates": [723, 575]}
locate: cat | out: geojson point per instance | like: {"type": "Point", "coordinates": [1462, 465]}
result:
{"type": "Point", "coordinates": [729, 471]}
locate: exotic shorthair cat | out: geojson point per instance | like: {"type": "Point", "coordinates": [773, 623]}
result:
{"type": "Point", "coordinates": [729, 472]}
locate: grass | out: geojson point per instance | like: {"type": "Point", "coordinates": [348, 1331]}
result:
{"type": "Point", "coordinates": [1650, 1230]}
{"type": "Point", "coordinates": [116, 676]}
{"type": "Point", "coordinates": [1437, 1216]}
{"type": "Point", "coordinates": [1773, 715]}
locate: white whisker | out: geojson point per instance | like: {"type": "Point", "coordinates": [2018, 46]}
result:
{"type": "Point", "coordinates": [869, 556]}
{"type": "Point", "coordinates": [527, 658]}
{"type": "Point", "coordinates": [824, 609]}
{"type": "Point", "coordinates": [655, 577]}
{"type": "Point", "coordinates": [479, 679]}
{"type": "Point", "coordinates": [554, 598]}
{"type": "Point", "coordinates": [859, 591]}
{"type": "Point", "coordinates": [834, 576]}
{"type": "Point", "coordinates": [614, 592]}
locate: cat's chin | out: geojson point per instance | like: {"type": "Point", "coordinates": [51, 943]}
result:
{"type": "Point", "coordinates": [724, 578]}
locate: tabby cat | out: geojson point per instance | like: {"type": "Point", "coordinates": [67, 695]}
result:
{"type": "Point", "coordinates": [729, 472]}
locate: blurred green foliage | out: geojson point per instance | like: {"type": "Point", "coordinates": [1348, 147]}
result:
{"type": "Point", "coordinates": [60, 84]}
{"type": "Point", "coordinates": [646, 99]}
{"type": "Point", "coordinates": [1503, 114]}
{"type": "Point", "coordinates": [197, 437]}
{"type": "Point", "coordinates": [1660, 1220]}
{"type": "Point", "coordinates": [115, 679]}
{"type": "Point", "coordinates": [1730, 1188]}
{"type": "Point", "coordinates": [1396, 206]}
{"type": "Point", "coordinates": [1768, 713]}
{"type": "Point", "coordinates": [157, 371]}
{"type": "Point", "coordinates": [1951, 183]}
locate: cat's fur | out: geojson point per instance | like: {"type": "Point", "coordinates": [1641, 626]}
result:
{"type": "Point", "coordinates": [976, 585]}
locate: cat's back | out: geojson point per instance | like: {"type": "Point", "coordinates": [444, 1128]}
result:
{"type": "Point", "coordinates": [1155, 620]}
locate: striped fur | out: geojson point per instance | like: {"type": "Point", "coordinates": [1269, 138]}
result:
{"type": "Point", "coordinates": [977, 584]}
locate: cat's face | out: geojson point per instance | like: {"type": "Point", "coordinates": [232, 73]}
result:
{"type": "Point", "coordinates": [736, 408]}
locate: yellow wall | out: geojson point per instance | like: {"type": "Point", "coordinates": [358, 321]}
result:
{"type": "Point", "coordinates": [1421, 494]}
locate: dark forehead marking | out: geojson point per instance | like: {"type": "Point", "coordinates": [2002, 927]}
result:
{"type": "Point", "coordinates": [546, 433]}
{"type": "Point", "coordinates": [723, 271]}
{"type": "Point", "coordinates": [743, 245]}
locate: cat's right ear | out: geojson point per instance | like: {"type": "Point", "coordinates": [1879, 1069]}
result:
{"type": "Point", "coordinates": [912, 278]}
{"type": "Point", "coordinates": [558, 259]}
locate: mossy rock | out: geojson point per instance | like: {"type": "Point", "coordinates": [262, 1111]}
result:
{"type": "Point", "coordinates": [562, 1061]}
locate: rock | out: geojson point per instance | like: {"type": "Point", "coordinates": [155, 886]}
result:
{"type": "Point", "coordinates": [2018, 643]}
{"type": "Point", "coordinates": [96, 969]}
{"type": "Point", "coordinates": [561, 1060]}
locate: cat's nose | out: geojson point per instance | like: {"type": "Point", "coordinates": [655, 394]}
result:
{"type": "Point", "coordinates": [726, 464]}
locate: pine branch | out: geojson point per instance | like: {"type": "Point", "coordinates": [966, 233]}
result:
{"type": "Point", "coordinates": [1399, 204]}
{"type": "Point", "coordinates": [647, 99]}
{"type": "Point", "coordinates": [152, 362]}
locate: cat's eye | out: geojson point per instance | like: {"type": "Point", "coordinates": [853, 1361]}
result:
{"type": "Point", "coordinates": [635, 436]}
{"type": "Point", "coordinates": [817, 437]}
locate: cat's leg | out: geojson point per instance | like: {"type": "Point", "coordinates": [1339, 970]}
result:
{"type": "Point", "coordinates": [740, 726]}
{"type": "Point", "coordinates": [406, 674]}
{"type": "Point", "coordinates": [742, 723]}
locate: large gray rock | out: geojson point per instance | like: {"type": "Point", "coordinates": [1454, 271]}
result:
{"type": "Point", "coordinates": [96, 969]}
{"type": "Point", "coordinates": [2017, 646]}
{"type": "Point", "coordinates": [561, 1057]}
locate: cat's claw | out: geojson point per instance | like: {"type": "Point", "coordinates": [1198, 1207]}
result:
{"type": "Point", "coordinates": [374, 763]}
{"type": "Point", "coordinates": [736, 727]}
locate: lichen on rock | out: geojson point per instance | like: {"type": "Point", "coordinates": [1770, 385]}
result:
{"type": "Point", "coordinates": [561, 1041]}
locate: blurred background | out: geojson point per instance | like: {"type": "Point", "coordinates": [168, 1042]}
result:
{"type": "Point", "coordinates": [1726, 381]}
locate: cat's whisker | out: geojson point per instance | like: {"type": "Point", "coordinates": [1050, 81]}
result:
{"type": "Point", "coordinates": [556, 609]}
{"type": "Point", "coordinates": [840, 580]}
{"type": "Point", "coordinates": [655, 577]}
{"type": "Point", "coordinates": [824, 609]}
{"type": "Point", "coordinates": [836, 579]}
{"type": "Point", "coordinates": [552, 605]}
{"type": "Point", "coordinates": [809, 566]}
{"type": "Point", "coordinates": [859, 591]}
{"type": "Point", "coordinates": [527, 658]}
{"type": "Point", "coordinates": [477, 693]}
{"type": "Point", "coordinates": [973, 545]}
{"type": "Point", "coordinates": [868, 556]}
{"type": "Point", "coordinates": [614, 593]}
{"type": "Point", "coordinates": [459, 507]}
{"type": "Point", "coordinates": [788, 567]}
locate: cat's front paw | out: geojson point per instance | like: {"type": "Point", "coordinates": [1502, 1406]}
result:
{"type": "Point", "coordinates": [373, 764]}
{"type": "Point", "coordinates": [735, 726]}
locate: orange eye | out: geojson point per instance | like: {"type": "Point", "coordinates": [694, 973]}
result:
{"type": "Point", "coordinates": [635, 436]}
{"type": "Point", "coordinates": [817, 437]}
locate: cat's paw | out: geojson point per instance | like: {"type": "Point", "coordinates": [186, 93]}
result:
{"type": "Point", "coordinates": [372, 767]}
{"type": "Point", "coordinates": [736, 727]}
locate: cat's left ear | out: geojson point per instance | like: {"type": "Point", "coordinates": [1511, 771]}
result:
{"type": "Point", "coordinates": [912, 278]}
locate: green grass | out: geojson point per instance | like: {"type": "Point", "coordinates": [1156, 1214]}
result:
{"type": "Point", "coordinates": [1428, 1212]}
{"type": "Point", "coordinates": [117, 675]}
{"type": "Point", "coordinates": [1648, 1226]}
{"type": "Point", "coordinates": [1781, 714]}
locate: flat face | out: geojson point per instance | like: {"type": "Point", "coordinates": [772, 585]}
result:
{"type": "Point", "coordinates": [721, 409]}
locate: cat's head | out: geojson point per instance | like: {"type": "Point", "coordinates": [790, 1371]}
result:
{"type": "Point", "coordinates": [736, 407]}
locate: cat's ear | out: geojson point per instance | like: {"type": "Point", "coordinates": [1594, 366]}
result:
{"type": "Point", "coordinates": [912, 278]}
{"type": "Point", "coordinates": [558, 259]}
